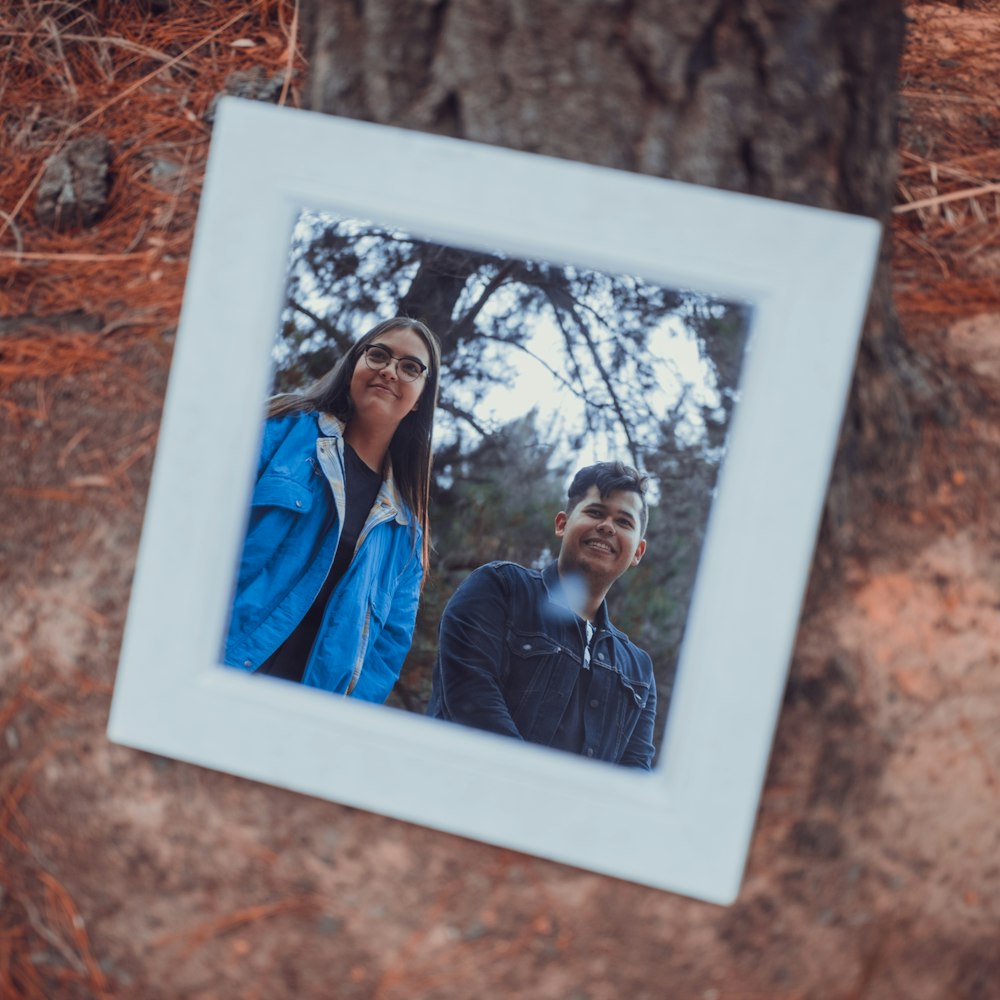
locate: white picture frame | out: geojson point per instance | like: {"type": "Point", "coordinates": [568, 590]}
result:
{"type": "Point", "coordinates": [684, 827]}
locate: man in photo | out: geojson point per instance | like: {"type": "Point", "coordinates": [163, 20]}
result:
{"type": "Point", "coordinates": [533, 655]}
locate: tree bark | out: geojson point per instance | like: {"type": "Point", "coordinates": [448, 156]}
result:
{"type": "Point", "coordinates": [787, 100]}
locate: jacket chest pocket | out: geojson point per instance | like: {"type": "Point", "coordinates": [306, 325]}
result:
{"type": "Point", "coordinates": [284, 492]}
{"type": "Point", "coordinates": [535, 665]}
{"type": "Point", "coordinates": [624, 697]}
{"type": "Point", "coordinates": [631, 688]}
{"type": "Point", "coordinates": [278, 509]}
{"type": "Point", "coordinates": [632, 691]}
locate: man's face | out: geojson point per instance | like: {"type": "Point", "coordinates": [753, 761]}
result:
{"type": "Point", "coordinates": [601, 536]}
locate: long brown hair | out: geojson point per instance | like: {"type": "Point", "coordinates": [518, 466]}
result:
{"type": "Point", "coordinates": [410, 448]}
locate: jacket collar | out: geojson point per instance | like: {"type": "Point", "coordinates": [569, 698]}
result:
{"type": "Point", "coordinates": [331, 426]}
{"type": "Point", "coordinates": [557, 594]}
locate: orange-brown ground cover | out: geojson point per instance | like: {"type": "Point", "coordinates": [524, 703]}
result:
{"type": "Point", "coordinates": [874, 868]}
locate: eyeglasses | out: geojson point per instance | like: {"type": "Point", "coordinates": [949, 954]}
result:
{"type": "Point", "coordinates": [378, 357]}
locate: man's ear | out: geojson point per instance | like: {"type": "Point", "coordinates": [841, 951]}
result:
{"type": "Point", "coordinates": [560, 523]}
{"type": "Point", "coordinates": [639, 552]}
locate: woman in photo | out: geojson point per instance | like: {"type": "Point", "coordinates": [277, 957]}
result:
{"type": "Point", "coordinates": [337, 542]}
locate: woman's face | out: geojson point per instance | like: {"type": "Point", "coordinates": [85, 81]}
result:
{"type": "Point", "coordinates": [383, 398]}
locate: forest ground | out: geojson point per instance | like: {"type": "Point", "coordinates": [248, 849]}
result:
{"type": "Point", "coordinates": [875, 866]}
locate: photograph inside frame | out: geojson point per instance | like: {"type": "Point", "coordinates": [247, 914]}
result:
{"type": "Point", "coordinates": [541, 370]}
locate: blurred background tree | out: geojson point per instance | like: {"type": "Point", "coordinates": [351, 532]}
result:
{"type": "Point", "coordinates": [794, 101]}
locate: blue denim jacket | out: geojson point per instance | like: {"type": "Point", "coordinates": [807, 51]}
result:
{"type": "Point", "coordinates": [295, 516]}
{"type": "Point", "coordinates": [509, 654]}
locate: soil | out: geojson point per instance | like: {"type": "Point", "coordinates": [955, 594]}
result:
{"type": "Point", "coordinates": [875, 866]}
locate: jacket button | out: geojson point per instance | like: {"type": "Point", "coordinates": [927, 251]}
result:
{"type": "Point", "coordinates": [594, 703]}
{"type": "Point", "coordinates": [526, 646]}
{"type": "Point", "coordinates": [298, 503]}
{"type": "Point", "coordinates": [590, 751]}
{"type": "Point", "coordinates": [247, 663]}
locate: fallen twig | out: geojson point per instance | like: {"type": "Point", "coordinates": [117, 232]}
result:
{"type": "Point", "coordinates": [66, 908]}
{"type": "Point", "coordinates": [204, 932]}
{"type": "Point", "coordinates": [956, 98]}
{"type": "Point", "coordinates": [940, 199]}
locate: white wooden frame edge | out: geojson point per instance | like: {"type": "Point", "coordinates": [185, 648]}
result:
{"type": "Point", "coordinates": [687, 826]}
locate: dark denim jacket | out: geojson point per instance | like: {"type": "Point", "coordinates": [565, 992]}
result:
{"type": "Point", "coordinates": [509, 654]}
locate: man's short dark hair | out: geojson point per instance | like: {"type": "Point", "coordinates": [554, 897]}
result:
{"type": "Point", "coordinates": [609, 477]}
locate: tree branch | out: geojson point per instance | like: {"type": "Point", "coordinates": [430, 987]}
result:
{"type": "Point", "coordinates": [323, 324]}
{"type": "Point", "coordinates": [517, 345]}
{"type": "Point", "coordinates": [606, 379]}
{"type": "Point", "coordinates": [460, 414]}
{"type": "Point", "coordinates": [456, 331]}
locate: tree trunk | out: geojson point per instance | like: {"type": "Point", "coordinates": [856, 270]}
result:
{"type": "Point", "coordinates": [794, 101]}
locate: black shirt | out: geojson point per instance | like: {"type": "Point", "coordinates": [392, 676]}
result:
{"type": "Point", "coordinates": [570, 735]}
